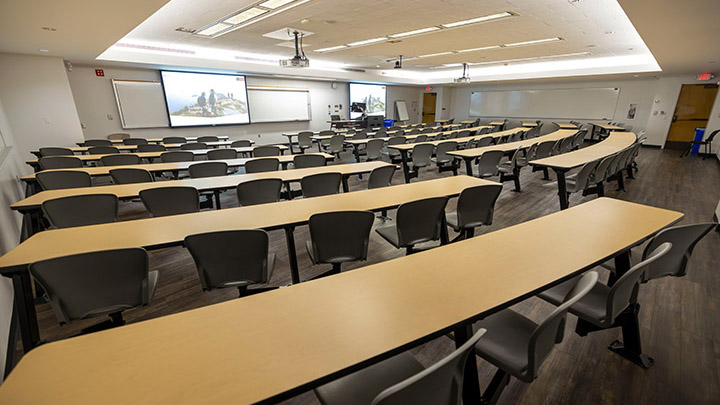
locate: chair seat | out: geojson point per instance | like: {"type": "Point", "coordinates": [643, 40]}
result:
{"type": "Point", "coordinates": [152, 282]}
{"type": "Point", "coordinates": [390, 234]}
{"type": "Point", "coordinates": [452, 220]}
{"type": "Point", "coordinates": [506, 342]}
{"type": "Point", "coordinates": [270, 269]}
{"type": "Point", "coordinates": [591, 307]}
{"type": "Point", "coordinates": [334, 260]}
{"type": "Point", "coordinates": [505, 168]}
{"type": "Point", "coordinates": [361, 387]}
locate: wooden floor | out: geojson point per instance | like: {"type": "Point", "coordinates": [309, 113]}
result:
{"type": "Point", "coordinates": [680, 317]}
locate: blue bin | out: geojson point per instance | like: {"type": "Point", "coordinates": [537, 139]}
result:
{"type": "Point", "coordinates": [699, 135]}
{"type": "Point", "coordinates": [388, 123]}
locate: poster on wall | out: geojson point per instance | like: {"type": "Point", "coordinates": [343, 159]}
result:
{"type": "Point", "coordinates": [631, 111]}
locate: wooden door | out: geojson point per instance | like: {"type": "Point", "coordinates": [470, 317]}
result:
{"type": "Point", "coordinates": [692, 111]}
{"type": "Point", "coordinates": [428, 111]}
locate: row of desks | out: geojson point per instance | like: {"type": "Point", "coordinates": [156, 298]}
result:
{"type": "Point", "coordinates": [271, 346]}
{"type": "Point", "coordinates": [159, 140]}
{"type": "Point", "coordinates": [132, 148]}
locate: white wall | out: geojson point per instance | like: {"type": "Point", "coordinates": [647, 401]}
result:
{"type": "Point", "coordinates": [411, 96]}
{"type": "Point", "coordinates": [95, 100]}
{"type": "Point", "coordinates": [38, 102]}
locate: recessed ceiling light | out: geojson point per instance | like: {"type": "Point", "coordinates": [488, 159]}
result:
{"type": "Point", "coordinates": [44, 50]}
{"type": "Point", "coordinates": [304, 21]}
{"type": "Point", "coordinates": [435, 54]}
{"type": "Point", "coordinates": [330, 49]}
{"type": "Point", "coordinates": [414, 32]}
{"type": "Point", "coordinates": [245, 15]}
{"type": "Point", "coordinates": [214, 29]}
{"type": "Point", "coordinates": [591, 46]}
{"type": "Point", "coordinates": [273, 4]}
{"type": "Point", "coordinates": [533, 42]}
{"type": "Point", "coordinates": [51, 29]}
{"type": "Point", "coordinates": [329, 21]}
{"type": "Point", "coordinates": [477, 20]}
{"type": "Point", "coordinates": [367, 41]}
{"type": "Point", "coordinates": [484, 48]}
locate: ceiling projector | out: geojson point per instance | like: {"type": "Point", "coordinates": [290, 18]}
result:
{"type": "Point", "coordinates": [299, 60]}
{"type": "Point", "coordinates": [462, 80]}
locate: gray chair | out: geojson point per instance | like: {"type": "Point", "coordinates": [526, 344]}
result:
{"type": "Point", "coordinates": [442, 160]}
{"type": "Point", "coordinates": [421, 138]}
{"type": "Point", "coordinates": [381, 177]}
{"type": "Point", "coordinates": [266, 150]}
{"type": "Point", "coordinates": [339, 237]}
{"type": "Point", "coordinates": [135, 141]}
{"type": "Point", "coordinates": [208, 169]}
{"type": "Point", "coordinates": [374, 148]}
{"type": "Point", "coordinates": [174, 200]}
{"type": "Point", "coordinates": [599, 175]}
{"type": "Point", "coordinates": [260, 191]}
{"type": "Point", "coordinates": [59, 162]}
{"type": "Point", "coordinates": [394, 154]}
{"type": "Point", "coordinates": [401, 379]}
{"type": "Point", "coordinates": [242, 143]}
{"type": "Point", "coordinates": [53, 151]}
{"type": "Point", "coordinates": [102, 150]}
{"type": "Point", "coordinates": [93, 284]}
{"type": "Point", "coordinates": [222, 154]}
{"type": "Point", "coordinates": [305, 140]}
{"type": "Point", "coordinates": [416, 222]}
{"type": "Point", "coordinates": [475, 207]}
{"type": "Point", "coordinates": [237, 258]}
{"type": "Point", "coordinates": [193, 146]}
{"type": "Point", "coordinates": [177, 156]}
{"type": "Point", "coordinates": [309, 160]}
{"type": "Point", "coordinates": [610, 306]}
{"type": "Point", "coordinates": [320, 184]}
{"type": "Point", "coordinates": [98, 142]}
{"type": "Point", "coordinates": [510, 170]}
{"type": "Point", "coordinates": [579, 181]}
{"type": "Point", "coordinates": [61, 179]}
{"type": "Point", "coordinates": [173, 140]}
{"type": "Point", "coordinates": [579, 139]}
{"type": "Point", "coordinates": [517, 346]}
{"type": "Point", "coordinates": [485, 141]}
{"type": "Point", "coordinates": [131, 176]}
{"type": "Point", "coordinates": [208, 138]}
{"type": "Point", "coordinates": [120, 159]}
{"type": "Point", "coordinates": [489, 162]}
{"type": "Point", "coordinates": [543, 150]}
{"type": "Point", "coordinates": [81, 210]}
{"type": "Point", "coordinates": [337, 143]}
{"type": "Point", "coordinates": [548, 128]}
{"type": "Point", "coordinates": [150, 147]}
{"type": "Point", "coordinates": [421, 154]}
{"type": "Point", "coordinates": [566, 145]}
{"type": "Point", "coordinates": [262, 165]}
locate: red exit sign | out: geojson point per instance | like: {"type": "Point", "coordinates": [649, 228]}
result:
{"type": "Point", "coordinates": [99, 72]}
{"type": "Point", "coordinates": [705, 76]}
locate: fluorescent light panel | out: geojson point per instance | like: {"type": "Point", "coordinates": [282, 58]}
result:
{"type": "Point", "coordinates": [435, 54]}
{"type": "Point", "coordinates": [245, 15]}
{"type": "Point", "coordinates": [477, 20]}
{"type": "Point", "coordinates": [413, 32]}
{"type": "Point", "coordinates": [332, 48]}
{"type": "Point", "coordinates": [484, 48]}
{"type": "Point", "coordinates": [273, 4]}
{"type": "Point", "coordinates": [367, 41]}
{"type": "Point", "coordinates": [534, 42]}
{"type": "Point", "coordinates": [243, 18]}
{"type": "Point", "coordinates": [214, 29]}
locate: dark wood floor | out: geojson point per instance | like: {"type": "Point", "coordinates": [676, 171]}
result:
{"type": "Point", "coordinates": [680, 317]}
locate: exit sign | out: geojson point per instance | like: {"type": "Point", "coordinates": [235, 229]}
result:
{"type": "Point", "coordinates": [99, 72]}
{"type": "Point", "coordinates": [705, 76]}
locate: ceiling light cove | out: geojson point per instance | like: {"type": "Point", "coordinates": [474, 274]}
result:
{"type": "Point", "coordinates": [249, 15]}
{"type": "Point", "coordinates": [477, 20]}
{"type": "Point", "coordinates": [413, 32]}
{"type": "Point", "coordinates": [534, 42]}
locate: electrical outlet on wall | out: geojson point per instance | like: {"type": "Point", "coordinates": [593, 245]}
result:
{"type": "Point", "coordinates": [83, 125]}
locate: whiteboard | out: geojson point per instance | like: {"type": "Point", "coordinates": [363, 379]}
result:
{"type": "Point", "coordinates": [587, 103]}
{"type": "Point", "coordinates": [401, 109]}
{"type": "Point", "coordinates": [141, 103]}
{"type": "Point", "coordinates": [279, 104]}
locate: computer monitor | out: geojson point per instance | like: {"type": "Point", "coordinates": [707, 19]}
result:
{"type": "Point", "coordinates": [358, 107]}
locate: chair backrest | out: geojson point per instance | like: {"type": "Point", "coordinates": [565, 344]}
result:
{"type": "Point", "coordinates": [381, 177]}
{"type": "Point", "coordinates": [53, 151]}
{"type": "Point", "coordinates": [420, 221]}
{"type": "Point", "coordinates": [305, 139]}
{"type": "Point", "coordinates": [548, 128]}
{"type": "Point", "coordinates": [530, 155]}
{"type": "Point", "coordinates": [374, 149]}
{"type": "Point", "coordinates": [566, 144]}
{"type": "Point", "coordinates": [683, 239]}
{"type": "Point", "coordinates": [420, 138]}
{"type": "Point", "coordinates": [177, 156]}
{"type": "Point", "coordinates": [421, 154]}
{"type": "Point", "coordinates": [260, 191]}
{"type": "Point", "coordinates": [150, 147]}
{"type": "Point", "coordinates": [579, 138]}
{"type": "Point", "coordinates": [441, 383]}
{"type": "Point", "coordinates": [443, 148]}
{"type": "Point", "coordinates": [712, 135]}
{"type": "Point", "coordinates": [336, 143]}
{"type": "Point", "coordinates": [514, 158]}
{"type": "Point", "coordinates": [489, 161]}
{"type": "Point", "coordinates": [242, 143]}
{"type": "Point", "coordinates": [208, 169]}
{"type": "Point", "coordinates": [326, 132]}
{"type": "Point", "coordinates": [193, 146]}
{"type": "Point", "coordinates": [309, 160]}
{"type": "Point", "coordinates": [484, 131]}
{"type": "Point", "coordinates": [135, 141]}
{"type": "Point", "coordinates": [98, 142]}
{"type": "Point", "coordinates": [485, 141]}
{"type": "Point", "coordinates": [341, 235]}
{"type": "Point", "coordinates": [624, 291]}
{"type": "Point", "coordinates": [174, 140]}
{"type": "Point", "coordinates": [222, 154]}
{"type": "Point", "coordinates": [230, 258]}
{"type": "Point", "coordinates": [262, 165]}
{"type": "Point", "coordinates": [551, 330]}
{"type": "Point", "coordinates": [120, 159]}
{"type": "Point", "coordinates": [81, 210]}
{"type": "Point", "coordinates": [414, 131]}
{"type": "Point", "coordinates": [130, 176]}
{"type": "Point", "coordinates": [544, 149]}
{"type": "Point", "coordinates": [583, 176]}
{"type": "Point", "coordinates": [102, 150]}
{"type": "Point", "coordinates": [319, 184]}
{"type": "Point", "coordinates": [87, 284]}
{"type": "Point", "coordinates": [208, 138]}
{"type": "Point", "coordinates": [118, 135]}
{"type": "Point", "coordinates": [427, 130]}
{"type": "Point", "coordinates": [61, 179]}
{"type": "Point", "coordinates": [476, 205]}
{"type": "Point", "coordinates": [59, 162]}
{"type": "Point", "coordinates": [174, 200]}
{"type": "Point", "coordinates": [396, 140]}
{"type": "Point", "coordinates": [360, 135]}
{"type": "Point", "coordinates": [601, 170]}
{"type": "Point", "coordinates": [266, 150]}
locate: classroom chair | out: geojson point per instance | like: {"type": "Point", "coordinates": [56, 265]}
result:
{"type": "Point", "coordinates": [174, 200]}
{"type": "Point", "coordinates": [120, 159]}
{"type": "Point", "coordinates": [401, 379]}
{"type": "Point", "coordinates": [548, 128]}
{"type": "Point", "coordinates": [262, 165]}
{"type": "Point", "coordinates": [242, 143]}
{"type": "Point", "coordinates": [305, 140]}
{"type": "Point", "coordinates": [442, 160]}
{"type": "Point", "coordinates": [232, 259]}
{"type": "Point", "coordinates": [193, 146]}
{"type": "Point", "coordinates": [309, 160]}
{"type": "Point", "coordinates": [53, 151]}
{"type": "Point", "coordinates": [260, 191]}
{"type": "Point", "coordinates": [485, 141]}
{"type": "Point", "coordinates": [578, 139]}
{"type": "Point", "coordinates": [373, 151]}
{"type": "Point", "coordinates": [207, 138]}
{"type": "Point", "coordinates": [705, 143]}
{"type": "Point", "coordinates": [172, 140]}
{"type": "Point", "coordinates": [131, 176]}
{"type": "Point", "coordinates": [151, 147]}
{"type": "Point", "coordinates": [209, 169]}
{"type": "Point", "coordinates": [566, 144]}
{"type": "Point", "coordinates": [98, 142]}
{"type": "Point", "coordinates": [489, 162]}
{"type": "Point", "coordinates": [316, 185]}
{"type": "Point", "coordinates": [381, 177]}
{"type": "Point", "coordinates": [518, 346]}
{"type": "Point", "coordinates": [598, 177]}
{"type": "Point", "coordinates": [543, 150]}
{"type": "Point", "coordinates": [266, 150]}
{"type": "Point", "coordinates": [102, 150]}
{"type": "Point", "coordinates": [339, 237]}
{"type": "Point", "coordinates": [222, 154]}
{"type": "Point", "coordinates": [177, 156]}
{"type": "Point", "coordinates": [94, 284]}
{"type": "Point", "coordinates": [475, 207]}
{"type": "Point", "coordinates": [61, 179]}
{"type": "Point", "coordinates": [135, 141]}
{"type": "Point", "coordinates": [611, 306]}
{"type": "Point", "coordinates": [421, 154]}
{"type": "Point", "coordinates": [419, 139]}
{"type": "Point", "coordinates": [579, 181]}
{"type": "Point", "coordinates": [337, 143]}
{"type": "Point", "coordinates": [417, 222]}
{"type": "Point", "coordinates": [394, 154]}
{"type": "Point", "coordinates": [118, 136]}
{"type": "Point", "coordinates": [81, 210]}
{"type": "Point", "coordinates": [59, 162]}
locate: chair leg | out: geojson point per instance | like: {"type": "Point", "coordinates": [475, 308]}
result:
{"type": "Point", "coordinates": [115, 320]}
{"type": "Point", "coordinates": [495, 388]}
{"type": "Point", "coordinates": [335, 270]}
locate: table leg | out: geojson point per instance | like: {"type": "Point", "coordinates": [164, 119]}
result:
{"type": "Point", "coordinates": [356, 152]}
{"type": "Point", "coordinates": [471, 385]}
{"type": "Point", "coordinates": [27, 318]}
{"type": "Point", "coordinates": [406, 167]}
{"type": "Point", "coordinates": [562, 189]}
{"type": "Point", "coordinates": [292, 254]}
{"type": "Point", "coordinates": [292, 152]}
{"type": "Point", "coordinates": [468, 166]}
{"type": "Point", "coordinates": [345, 185]}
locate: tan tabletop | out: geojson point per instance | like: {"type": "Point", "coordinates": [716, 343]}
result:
{"type": "Point", "coordinates": [84, 149]}
{"type": "Point", "coordinates": [259, 347]}
{"type": "Point", "coordinates": [202, 184]}
{"type": "Point", "coordinates": [608, 127]}
{"type": "Point", "coordinates": [326, 137]}
{"type": "Point", "coordinates": [529, 124]}
{"type": "Point", "coordinates": [614, 143]}
{"type": "Point", "coordinates": [409, 146]}
{"type": "Point", "coordinates": [164, 167]}
{"type": "Point", "coordinates": [565, 125]}
{"type": "Point", "coordinates": [189, 138]}
{"type": "Point", "coordinates": [511, 146]}
{"type": "Point", "coordinates": [467, 122]}
{"type": "Point", "coordinates": [496, 122]}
